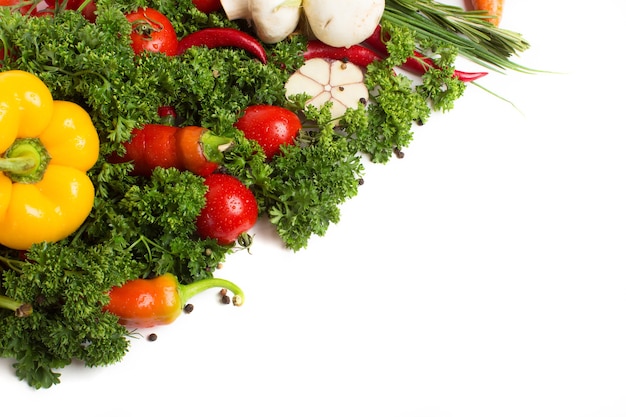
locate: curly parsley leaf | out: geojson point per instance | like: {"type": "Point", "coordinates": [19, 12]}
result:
{"type": "Point", "coordinates": [67, 284]}
{"type": "Point", "coordinates": [310, 182]}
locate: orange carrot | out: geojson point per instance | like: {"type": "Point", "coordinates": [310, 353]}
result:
{"type": "Point", "coordinates": [491, 7]}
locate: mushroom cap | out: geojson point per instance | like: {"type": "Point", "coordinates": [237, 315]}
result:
{"type": "Point", "coordinates": [343, 23]}
{"type": "Point", "coordinates": [274, 20]}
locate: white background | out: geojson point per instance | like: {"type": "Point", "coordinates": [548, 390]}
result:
{"type": "Point", "coordinates": [481, 275]}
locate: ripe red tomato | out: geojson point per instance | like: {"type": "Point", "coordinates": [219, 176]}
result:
{"type": "Point", "coordinates": [207, 6]}
{"type": "Point", "coordinates": [152, 32]}
{"type": "Point", "coordinates": [271, 126]}
{"type": "Point", "coordinates": [231, 209]}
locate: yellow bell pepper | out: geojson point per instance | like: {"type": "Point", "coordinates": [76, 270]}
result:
{"type": "Point", "coordinates": [46, 148]}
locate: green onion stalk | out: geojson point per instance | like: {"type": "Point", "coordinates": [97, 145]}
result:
{"type": "Point", "coordinates": [475, 37]}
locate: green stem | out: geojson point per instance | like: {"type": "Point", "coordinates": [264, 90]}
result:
{"type": "Point", "coordinates": [25, 161]}
{"type": "Point", "coordinates": [13, 264]}
{"type": "Point", "coordinates": [17, 165]}
{"type": "Point", "coordinates": [187, 291]}
{"type": "Point", "coordinates": [20, 309]}
{"type": "Point", "coordinates": [213, 146]}
{"type": "Point", "coordinates": [83, 5]}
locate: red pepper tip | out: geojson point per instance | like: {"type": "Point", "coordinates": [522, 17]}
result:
{"type": "Point", "coordinates": [468, 77]}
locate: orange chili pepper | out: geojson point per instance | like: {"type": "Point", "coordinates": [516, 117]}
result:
{"type": "Point", "coordinates": [492, 7]}
{"type": "Point", "coordinates": [149, 302]}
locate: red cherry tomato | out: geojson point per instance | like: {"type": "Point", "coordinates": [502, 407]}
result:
{"type": "Point", "coordinates": [152, 32]}
{"type": "Point", "coordinates": [208, 6]}
{"type": "Point", "coordinates": [231, 209]}
{"type": "Point", "coordinates": [271, 126]}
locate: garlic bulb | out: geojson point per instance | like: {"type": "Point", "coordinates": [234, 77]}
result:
{"type": "Point", "coordinates": [341, 83]}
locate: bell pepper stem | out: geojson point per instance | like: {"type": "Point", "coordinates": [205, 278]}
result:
{"type": "Point", "coordinates": [20, 309]}
{"type": "Point", "coordinates": [187, 291]}
{"type": "Point", "coordinates": [18, 165]}
{"type": "Point", "coordinates": [25, 161]}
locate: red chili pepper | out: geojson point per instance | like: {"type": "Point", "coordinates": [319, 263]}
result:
{"type": "Point", "coordinates": [418, 64]}
{"type": "Point", "coordinates": [150, 302]}
{"type": "Point", "coordinates": [193, 148]}
{"type": "Point", "coordinates": [220, 37]}
{"type": "Point", "coordinates": [356, 54]}
{"type": "Point", "coordinates": [150, 146]}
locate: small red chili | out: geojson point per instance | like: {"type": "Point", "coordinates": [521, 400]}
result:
{"type": "Point", "coordinates": [356, 54]}
{"type": "Point", "coordinates": [149, 302]}
{"type": "Point", "coordinates": [223, 37]}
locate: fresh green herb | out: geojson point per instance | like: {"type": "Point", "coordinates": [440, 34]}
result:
{"type": "Point", "coordinates": [309, 182]}
{"type": "Point", "coordinates": [67, 284]}
{"type": "Point", "coordinates": [396, 102]}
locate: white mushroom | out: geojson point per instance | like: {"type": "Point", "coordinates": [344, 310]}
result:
{"type": "Point", "coordinates": [343, 23]}
{"type": "Point", "coordinates": [329, 80]}
{"type": "Point", "coordinates": [273, 20]}
{"type": "Point", "coordinates": [236, 9]}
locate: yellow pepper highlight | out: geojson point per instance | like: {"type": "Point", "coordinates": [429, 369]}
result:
{"type": "Point", "coordinates": [46, 148]}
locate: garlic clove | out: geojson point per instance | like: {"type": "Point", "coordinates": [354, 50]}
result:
{"type": "Point", "coordinates": [342, 73]}
{"type": "Point", "coordinates": [319, 100]}
{"type": "Point", "coordinates": [349, 95]}
{"type": "Point", "coordinates": [304, 84]}
{"type": "Point", "coordinates": [317, 69]}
